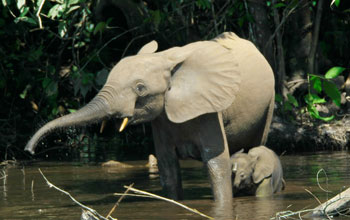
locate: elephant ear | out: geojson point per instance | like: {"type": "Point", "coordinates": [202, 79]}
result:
{"type": "Point", "coordinates": [150, 47]}
{"type": "Point", "coordinates": [205, 79]}
{"type": "Point", "coordinates": [262, 169]}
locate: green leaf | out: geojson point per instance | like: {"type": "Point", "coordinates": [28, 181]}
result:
{"type": "Point", "coordinates": [316, 99]}
{"type": "Point", "coordinates": [56, 11]}
{"type": "Point", "coordinates": [4, 3]}
{"type": "Point", "coordinates": [203, 4]}
{"type": "Point", "coordinates": [72, 8]}
{"type": "Point", "coordinates": [46, 81]}
{"type": "Point", "coordinates": [25, 19]}
{"type": "Point", "coordinates": [71, 110]}
{"type": "Point", "coordinates": [278, 98]}
{"type": "Point", "coordinates": [101, 77]}
{"type": "Point", "coordinates": [336, 2]}
{"type": "Point", "coordinates": [316, 83]}
{"type": "Point", "coordinates": [292, 100]}
{"type": "Point", "coordinates": [313, 111]}
{"type": "Point", "coordinates": [100, 27]}
{"type": "Point", "coordinates": [52, 89]}
{"type": "Point", "coordinates": [327, 118]}
{"type": "Point", "coordinates": [25, 91]}
{"type": "Point", "coordinates": [55, 111]}
{"type": "Point", "coordinates": [72, 2]}
{"type": "Point", "coordinates": [89, 27]}
{"type": "Point", "coordinates": [87, 78]}
{"type": "Point", "coordinates": [240, 21]}
{"type": "Point", "coordinates": [24, 10]}
{"type": "Point", "coordinates": [62, 28]}
{"type": "Point", "coordinates": [334, 72]}
{"type": "Point", "coordinates": [279, 5]}
{"type": "Point", "coordinates": [332, 91]}
{"type": "Point", "coordinates": [315, 114]}
{"type": "Point", "coordinates": [20, 4]}
{"type": "Point", "coordinates": [287, 106]}
{"type": "Point", "coordinates": [79, 44]}
{"type": "Point", "coordinates": [156, 18]}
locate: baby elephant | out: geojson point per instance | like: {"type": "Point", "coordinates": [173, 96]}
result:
{"type": "Point", "coordinates": [257, 173]}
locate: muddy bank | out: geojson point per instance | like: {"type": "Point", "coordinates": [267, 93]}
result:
{"type": "Point", "coordinates": [306, 135]}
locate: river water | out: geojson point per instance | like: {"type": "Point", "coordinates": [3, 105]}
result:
{"type": "Point", "coordinates": [24, 194]}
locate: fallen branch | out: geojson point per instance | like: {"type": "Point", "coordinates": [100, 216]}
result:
{"type": "Point", "coordinates": [119, 200]}
{"type": "Point", "coordinates": [3, 175]}
{"type": "Point", "coordinates": [335, 206]}
{"type": "Point", "coordinates": [338, 205]}
{"type": "Point", "coordinates": [151, 195]}
{"type": "Point", "coordinates": [90, 211]}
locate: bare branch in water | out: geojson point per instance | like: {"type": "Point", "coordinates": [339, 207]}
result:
{"type": "Point", "coordinates": [119, 200]}
{"type": "Point", "coordinates": [338, 205]}
{"type": "Point", "coordinates": [85, 208]}
{"type": "Point", "coordinates": [151, 195]}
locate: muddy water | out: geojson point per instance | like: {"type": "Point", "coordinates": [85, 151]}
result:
{"type": "Point", "coordinates": [25, 195]}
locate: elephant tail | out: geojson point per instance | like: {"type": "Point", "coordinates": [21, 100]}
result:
{"type": "Point", "coordinates": [268, 119]}
{"type": "Point", "coordinates": [283, 184]}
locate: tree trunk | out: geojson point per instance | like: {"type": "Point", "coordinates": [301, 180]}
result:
{"type": "Point", "coordinates": [299, 40]}
{"type": "Point", "coordinates": [315, 34]}
{"type": "Point", "coordinates": [262, 30]}
{"type": "Point", "coordinates": [280, 66]}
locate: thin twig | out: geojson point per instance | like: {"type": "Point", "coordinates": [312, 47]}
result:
{"type": "Point", "coordinates": [132, 40]}
{"type": "Point", "coordinates": [119, 200]}
{"type": "Point", "coordinates": [108, 42]}
{"type": "Point", "coordinates": [214, 17]}
{"type": "Point", "coordinates": [38, 13]}
{"type": "Point", "coordinates": [32, 190]}
{"type": "Point", "coordinates": [3, 175]}
{"type": "Point", "coordinates": [168, 200]}
{"type": "Point", "coordinates": [134, 195]}
{"type": "Point", "coordinates": [318, 183]}
{"type": "Point", "coordinates": [284, 19]}
{"type": "Point", "coordinates": [74, 200]}
{"type": "Point", "coordinates": [313, 196]}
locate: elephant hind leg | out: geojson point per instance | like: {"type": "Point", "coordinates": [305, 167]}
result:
{"type": "Point", "coordinates": [268, 120]}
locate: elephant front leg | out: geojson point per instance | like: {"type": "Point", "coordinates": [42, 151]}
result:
{"type": "Point", "coordinates": [220, 176]}
{"type": "Point", "coordinates": [215, 154]}
{"type": "Point", "coordinates": [168, 163]}
{"type": "Point", "coordinates": [170, 176]}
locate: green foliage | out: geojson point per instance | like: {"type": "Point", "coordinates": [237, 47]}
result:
{"type": "Point", "coordinates": [321, 89]}
{"type": "Point", "coordinates": [319, 85]}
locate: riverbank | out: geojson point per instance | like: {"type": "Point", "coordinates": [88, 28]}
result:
{"type": "Point", "coordinates": [309, 135]}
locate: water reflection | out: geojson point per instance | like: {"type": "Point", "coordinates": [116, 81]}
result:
{"type": "Point", "coordinates": [25, 195]}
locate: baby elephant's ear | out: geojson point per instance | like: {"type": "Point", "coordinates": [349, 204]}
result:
{"type": "Point", "coordinates": [151, 47]}
{"type": "Point", "coordinates": [262, 169]}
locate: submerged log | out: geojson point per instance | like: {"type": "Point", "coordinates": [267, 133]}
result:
{"type": "Point", "coordinates": [337, 205]}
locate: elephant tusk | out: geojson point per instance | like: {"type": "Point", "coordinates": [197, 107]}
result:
{"type": "Point", "coordinates": [125, 122]}
{"type": "Point", "coordinates": [103, 125]}
{"type": "Point", "coordinates": [234, 167]}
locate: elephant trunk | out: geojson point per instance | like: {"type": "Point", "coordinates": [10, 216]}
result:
{"type": "Point", "coordinates": [94, 111]}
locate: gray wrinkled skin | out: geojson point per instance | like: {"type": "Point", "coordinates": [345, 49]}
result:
{"type": "Point", "coordinates": [258, 172]}
{"type": "Point", "coordinates": [205, 100]}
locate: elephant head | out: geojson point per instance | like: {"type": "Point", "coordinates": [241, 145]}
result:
{"type": "Point", "coordinates": [242, 169]}
{"type": "Point", "coordinates": [185, 82]}
{"type": "Point", "coordinates": [250, 169]}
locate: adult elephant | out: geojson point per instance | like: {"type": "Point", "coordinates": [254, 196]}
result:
{"type": "Point", "coordinates": [201, 98]}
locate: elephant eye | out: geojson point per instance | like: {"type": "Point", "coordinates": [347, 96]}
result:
{"type": "Point", "coordinates": [140, 89]}
{"type": "Point", "coordinates": [242, 175]}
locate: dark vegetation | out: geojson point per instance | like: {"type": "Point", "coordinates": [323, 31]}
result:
{"type": "Point", "coordinates": [56, 55]}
